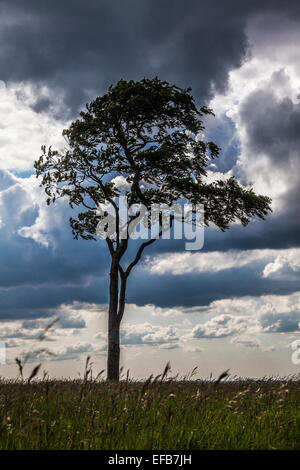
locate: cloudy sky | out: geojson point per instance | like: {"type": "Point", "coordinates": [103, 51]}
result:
{"type": "Point", "coordinates": [234, 304]}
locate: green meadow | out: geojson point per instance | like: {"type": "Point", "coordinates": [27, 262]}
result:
{"type": "Point", "coordinates": [160, 414]}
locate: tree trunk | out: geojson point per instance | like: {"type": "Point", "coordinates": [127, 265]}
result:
{"type": "Point", "coordinates": [113, 353]}
{"type": "Point", "coordinates": [113, 356]}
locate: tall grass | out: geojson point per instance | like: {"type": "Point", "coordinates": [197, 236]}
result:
{"type": "Point", "coordinates": [159, 413]}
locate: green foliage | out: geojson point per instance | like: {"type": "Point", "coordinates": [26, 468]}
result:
{"type": "Point", "coordinates": [148, 132]}
{"type": "Point", "coordinates": [157, 415]}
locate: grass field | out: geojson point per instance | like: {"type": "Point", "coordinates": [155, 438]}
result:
{"type": "Point", "coordinates": [156, 414]}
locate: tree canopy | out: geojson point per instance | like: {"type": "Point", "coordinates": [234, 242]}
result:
{"type": "Point", "coordinates": [148, 132]}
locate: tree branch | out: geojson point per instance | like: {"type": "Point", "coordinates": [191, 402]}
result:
{"type": "Point", "coordinates": [140, 252]}
{"type": "Point", "coordinates": [110, 246]}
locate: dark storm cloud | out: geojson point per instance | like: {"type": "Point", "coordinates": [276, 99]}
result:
{"type": "Point", "coordinates": [40, 301]}
{"type": "Point", "coordinates": [272, 125]}
{"type": "Point", "coordinates": [201, 289]}
{"type": "Point", "coordinates": [188, 290]}
{"type": "Point", "coordinates": [81, 47]}
{"type": "Point", "coordinates": [36, 280]}
{"type": "Point", "coordinates": [277, 231]}
{"type": "Point", "coordinates": [280, 322]}
{"type": "Point", "coordinates": [25, 262]}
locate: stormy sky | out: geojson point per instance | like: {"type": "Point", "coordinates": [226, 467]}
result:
{"type": "Point", "coordinates": [234, 304]}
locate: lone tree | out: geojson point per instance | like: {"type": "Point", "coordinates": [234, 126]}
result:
{"type": "Point", "coordinates": [148, 133]}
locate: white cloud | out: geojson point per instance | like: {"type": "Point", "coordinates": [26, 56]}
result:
{"type": "Point", "coordinates": [22, 129]}
{"type": "Point", "coordinates": [147, 333]}
{"type": "Point", "coordinates": [193, 349]}
{"type": "Point", "coordinates": [13, 330]}
{"type": "Point", "coordinates": [247, 341]}
{"type": "Point", "coordinates": [153, 310]}
{"type": "Point", "coordinates": [121, 183]}
{"type": "Point", "coordinates": [165, 312]}
{"type": "Point", "coordinates": [220, 327]}
{"type": "Point", "coordinates": [72, 319]}
{"type": "Point", "coordinates": [49, 220]}
{"type": "Point", "coordinates": [23, 198]}
{"type": "Point", "coordinates": [78, 349]}
{"type": "Point", "coordinates": [256, 305]}
{"type": "Point", "coordinates": [285, 266]}
{"type": "Point", "coordinates": [251, 342]}
{"type": "Point", "coordinates": [245, 318]}
{"type": "Point", "coordinates": [215, 261]}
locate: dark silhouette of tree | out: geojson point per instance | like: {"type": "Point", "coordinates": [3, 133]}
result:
{"type": "Point", "coordinates": [148, 132]}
